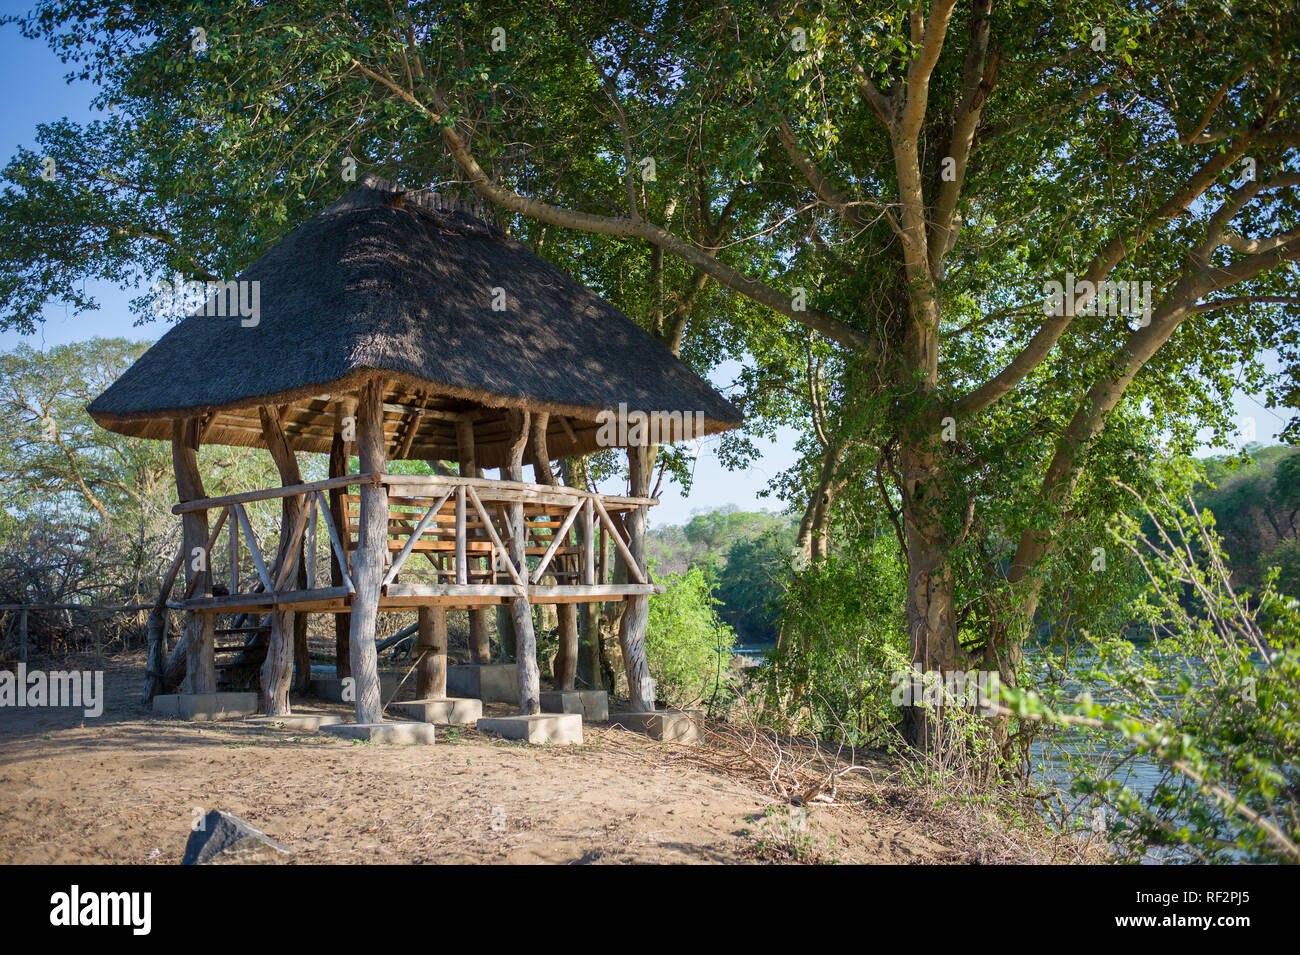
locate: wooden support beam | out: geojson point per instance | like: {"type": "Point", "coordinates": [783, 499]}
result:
{"type": "Point", "coordinates": [311, 541]}
{"type": "Point", "coordinates": [637, 615]}
{"type": "Point", "coordinates": [254, 549]}
{"type": "Point", "coordinates": [336, 546]}
{"type": "Point", "coordinates": [207, 555]}
{"type": "Point", "coordinates": [269, 493]}
{"type": "Point", "coordinates": [156, 630]}
{"type": "Point", "coordinates": [200, 662]}
{"type": "Point", "coordinates": [633, 565]}
{"type": "Point", "coordinates": [480, 640]}
{"type": "Point", "coordinates": [283, 650]}
{"type": "Point", "coordinates": [565, 670]}
{"type": "Point", "coordinates": [520, 612]}
{"type": "Point", "coordinates": [588, 542]}
{"type": "Point", "coordinates": [232, 553]}
{"type": "Point", "coordinates": [368, 559]}
{"type": "Point", "coordinates": [462, 558]}
{"type": "Point", "coordinates": [556, 540]}
{"type": "Point", "coordinates": [345, 423]}
{"type": "Point", "coordinates": [416, 485]}
{"type": "Point", "coordinates": [431, 671]}
{"type": "Point", "coordinates": [414, 418]}
{"type": "Point", "coordinates": [496, 540]}
{"type": "Point", "coordinates": [419, 529]}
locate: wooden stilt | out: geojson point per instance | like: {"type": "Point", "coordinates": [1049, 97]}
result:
{"type": "Point", "coordinates": [637, 615]}
{"type": "Point", "coordinates": [282, 651]}
{"type": "Point", "coordinates": [368, 559]}
{"type": "Point", "coordinates": [431, 674]}
{"type": "Point", "coordinates": [520, 612]}
{"type": "Point", "coordinates": [565, 671]}
{"type": "Point", "coordinates": [480, 642]}
{"type": "Point", "coordinates": [200, 665]}
{"type": "Point", "coordinates": [340, 455]}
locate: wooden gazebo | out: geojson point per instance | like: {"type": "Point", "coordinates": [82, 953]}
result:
{"type": "Point", "coordinates": [398, 325]}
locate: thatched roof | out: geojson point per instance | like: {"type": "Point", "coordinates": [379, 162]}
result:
{"type": "Point", "coordinates": [401, 286]}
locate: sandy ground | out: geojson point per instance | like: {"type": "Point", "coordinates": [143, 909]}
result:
{"type": "Point", "coordinates": [124, 788]}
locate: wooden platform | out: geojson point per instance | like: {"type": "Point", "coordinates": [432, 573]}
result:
{"type": "Point", "coordinates": [410, 596]}
{"type": "Point", "coordinates": [458, 529]}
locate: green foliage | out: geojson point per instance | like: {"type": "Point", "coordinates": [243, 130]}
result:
{"type": "Point", "coordinates": [751, 583]}
{"type": "Point", "coordinates": [746, 553]}
{"type": "Point", "coordinates": [844, 637]}
{"type": "Point", "coordinates": [1255, 500]}
{"type": "Point", "coordinates": [1188, 746]}
{"type": "Point", "coordinates": [687, 643]}
{"type": "Point", "coordinates": [85, 514]}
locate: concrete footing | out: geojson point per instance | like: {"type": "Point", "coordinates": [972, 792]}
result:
{"type": "Point", "coordinates": [542, 728]}
{"type": "Point", "coordinates": [205, 706]}
{"type": "Point", "coordinates": [591, 705]}
{"type": "Point", "coordinates": [672, 726]}
{"type": "Point", "coordinates": [444, 710]}
{"type": "Point", "coordinates": [297, 721]}
{"type": "Point", "coordinates": [489, 682]}
{"type": "Point", "coordinates": [331, 687]}
{"type": "Point", "coordinates": [398, 733]}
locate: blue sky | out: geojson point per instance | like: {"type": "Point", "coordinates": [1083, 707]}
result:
{"type": "Point", "coordinates": [33, 78]}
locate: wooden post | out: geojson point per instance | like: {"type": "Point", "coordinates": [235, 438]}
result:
{"type": "Point", "coordinates": [200, 628]}
{"type": "Point", "coordinates": [480, 641]}
{"type": "Point", "coordinates": [368, 559]}
{"type": "Point", "coordinates": [565, 672]}
{"type": "Point", "coordinates": [431, 674]}
{"type": "Point", "coordinates": [521, 614]}
{"type": "Point", "coordinates": [282, 651]}
{"type": "Point", "coordinates": [22, 635]}
{"type": "Point", "coordinates": [156, 630]}
{"type": "Point", "coordinates": [637, 615]}
{"type": "Point", "coordinates": [340, 454]}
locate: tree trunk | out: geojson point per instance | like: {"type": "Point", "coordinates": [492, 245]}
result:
{"type": "Point", "coordinates": [431, 670]}
{"type": "Point", "coordinates": [931, 609]}
{"type": "Point", "coordinates": [480, 639]}
{"type": "Point", "coordinates": [368, 560]}
{"type": "Point", "coordinates": [340, 455]}
{"type": "Point", "coordinates": [632, 632]}
{"type": "Point", "coordinates": [588, 669]}
{"type": "Point", "coordinates": [277, 669]}
{"type": "Point", "coordinates": [301, 650]}
{"type": "Point", "coordinates": [565, 670]}
{"type": "Point", "coordinates": [586, 662]}
{"type": "Point", "coordinates": [506, 634]}
{"type": "Point", "coordinates": [521, 614]}
{"type": "Point", "coordinates": [200, 662]}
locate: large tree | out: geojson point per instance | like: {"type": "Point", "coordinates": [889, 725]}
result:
{"type": "Point", "coordinates": [886, 192]}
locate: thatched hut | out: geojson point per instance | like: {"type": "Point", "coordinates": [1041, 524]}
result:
{"type": "Point", "coordinates": [394, 325]}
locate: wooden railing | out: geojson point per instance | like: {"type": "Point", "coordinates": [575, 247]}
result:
{"type": "Point", "coordinates": [456, 531]}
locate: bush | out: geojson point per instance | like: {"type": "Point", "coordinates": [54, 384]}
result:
{"type": "Point", "coordinates": [688, 645]}
{"type": "Point", "coordinates": [843, 637]}
{"type": "Point", "coordinates": [1209, 704]}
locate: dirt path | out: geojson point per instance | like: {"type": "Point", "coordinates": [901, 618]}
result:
{"type": "Point", "coordinates": [124, 788]}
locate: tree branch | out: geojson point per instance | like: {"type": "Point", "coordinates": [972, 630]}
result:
{"type": "Point", "coordinates": [621, 226]}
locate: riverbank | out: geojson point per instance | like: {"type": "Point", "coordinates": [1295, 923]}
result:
{"type": "Point", "coordinates": [124, 787]}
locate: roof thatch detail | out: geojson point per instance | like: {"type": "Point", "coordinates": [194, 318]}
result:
{"type": "Point", "coordinates": [401, 285]}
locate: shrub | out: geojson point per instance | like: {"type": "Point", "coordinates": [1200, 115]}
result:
{"type": "Point", "coordinates": [688, 645]}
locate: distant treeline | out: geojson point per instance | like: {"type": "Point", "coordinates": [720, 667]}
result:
{"type": "Point", "coordinates": [747, 554]}
{"type": "Point", "coordinates": [1255, 501]}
